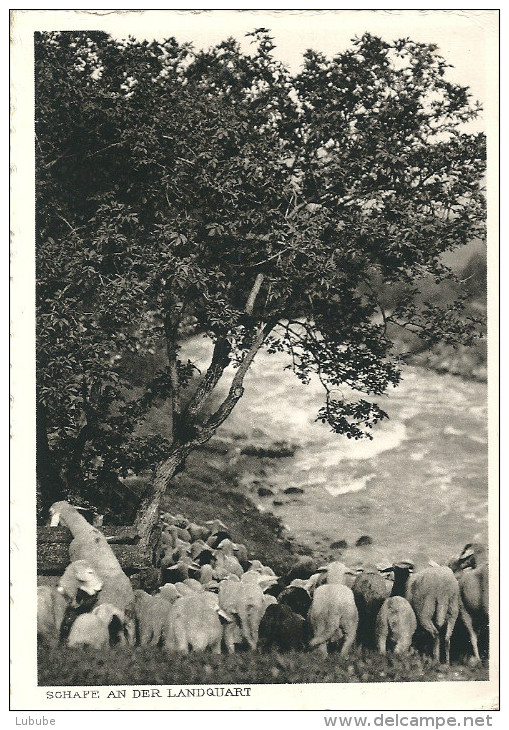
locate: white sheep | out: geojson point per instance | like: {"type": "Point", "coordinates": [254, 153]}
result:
{"type": "Point", "coordinates": [395, 625]}
{"type": "Point", "coordinates": [474, 602]}
{"type": "Point", "coordinates": [152, 613]}
{"type": "Point", "coordinates": [193, 623]}
{"type": "Point", "coordinates": [103, 627]}
{"type": "Point", "coordinates": [80, 584]}
{"type": "Point", "coordinates": [206, 574]}
{"type": "Point", "coordinates": [193, 584]}
{"type": "Point", "coordinates": [168, 592]}
{"type": "Point", "coordinates": [258, 566]}
{"type": "Point", "coordinates": [51, 606]}
{"type": "Point", "coordinates": [225, 563]}
{"type": "Point", "coordinates": [89, 630]}
{"type": "Point", "coordinates": [114, 619]}
{"type": "Point", "coordinates": [90, 544]}
{"type": "Point", "coordinates": [241, 552]}
{"type": "Point", "coordinates": [333, 617]}
{"type": "Point", "coordinates": [264, 580]}
{"type": "Point", "coordinates": [242, 601]}
{"type": "Point", "coordinates": [333, 573]}
{"type": "Point", "coordinates": [198, 532]}
{"type": "Point", "coordinates": [268, 601]}
{"type": "Point", "coordinates": [473, 555]}
{"type": "Point", "coordinates": [435, 596]}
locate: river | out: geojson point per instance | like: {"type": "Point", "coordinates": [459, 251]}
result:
{"type": "Point", "coordinates": [419, 489]}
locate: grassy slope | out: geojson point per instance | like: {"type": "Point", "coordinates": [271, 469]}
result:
{"type": "Point", "coordinates": [142, 666]}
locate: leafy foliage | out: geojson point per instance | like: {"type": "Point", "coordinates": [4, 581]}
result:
{"type": "Point", "coordinates": [213, 192]}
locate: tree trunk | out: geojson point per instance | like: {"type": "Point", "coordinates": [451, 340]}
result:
{"type": "Point", "coordinates": [147, 514]}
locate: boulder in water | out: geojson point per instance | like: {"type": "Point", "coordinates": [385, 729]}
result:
{"type": "Point", "coordinates": [364, 540]}
{"type": "Point", "coordinates": [265, 492]}
{"type": "Point", "coordinates": [339, 545]}
{"type": "Point", "coordinates": [294, 490]}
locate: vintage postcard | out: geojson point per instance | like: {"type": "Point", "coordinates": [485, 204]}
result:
{"type": "Point", "coordinates": [255, 360]}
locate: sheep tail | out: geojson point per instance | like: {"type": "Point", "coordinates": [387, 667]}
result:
{"type": "Point", "coordinates": [200, 642]}
{"type": "Point", "coordinates": [251, 621]}
{"type": "Point", "coordinates": [441, 612]}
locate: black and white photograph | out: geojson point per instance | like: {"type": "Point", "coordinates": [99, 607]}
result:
{"type": "Point", "coordinates": [254, 296]}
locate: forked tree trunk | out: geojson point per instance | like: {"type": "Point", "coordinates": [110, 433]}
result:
{"type": "Point", "coordinates": [147, 514]}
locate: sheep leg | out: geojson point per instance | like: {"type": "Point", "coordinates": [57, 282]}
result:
{"type": "Point", "coordinates": [381, 639]}
{"type": "Point", "coordinates": [467, 620]}
{"type": "Point", "coordinates": [144, 635]}
{"type": "Point", "coordinates": [347, 643]}
{"type": "Point", "coordinates": [228, 635]}
{"type": "Point", "coordinates": [447, 647]}
{"type": "Point", "coordinates": [382, 646]}
{"type": "Point", "coordinates": [322, 648]}
{"type": "Point", "coordinates": [130, 631]}
{"type": "Point", "coordinates": [436, 648]}
{"type": "Point", "coordinates": [216, 647]}
{"type": "Point", "coordinates": [181, 642]}
{"type": "Point", "coordinates": [403, 645]}
{"type": "Point", "coordinates": [430, 627]}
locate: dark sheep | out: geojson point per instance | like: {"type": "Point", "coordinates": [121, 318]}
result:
{"type": "Point", "coordinates": [282, 629]}
{"type": "Point", "coordinates": [370, 590]}
{"type": "Point", "coordinates": [217, 538]}
{"type": "Point", "coordinates": [298, 599]}
{"type": "Point", "coordinates": [473, 555]}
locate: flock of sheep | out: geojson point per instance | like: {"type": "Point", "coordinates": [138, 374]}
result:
{"type": "Point", "coordinates": [210, 595]}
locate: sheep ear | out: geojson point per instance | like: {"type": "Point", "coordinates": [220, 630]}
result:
{"type": "Point", "coordinates": [405, 564]}
{"type": "Point", "coordinates": [467, 550]}
{"type": "Point", "coordinates": [55, 519]}
{"type": "Point", "coordinates": [225, 617]}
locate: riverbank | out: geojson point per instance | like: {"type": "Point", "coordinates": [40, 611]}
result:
{"type": "Point", "coordinates": [211, 486]}
{"type": "Point", "coordinates": [465, 362]}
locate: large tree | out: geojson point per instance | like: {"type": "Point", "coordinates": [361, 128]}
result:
{"type": "Point", "coordinates": [215, 192]}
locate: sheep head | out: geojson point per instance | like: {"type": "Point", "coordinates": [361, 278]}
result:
{"type": "Point", "coordinates": [114, 619]}
{"type": "Point", "coordinates": [79, 583]}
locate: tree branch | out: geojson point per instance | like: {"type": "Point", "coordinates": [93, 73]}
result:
{"type": "Point", "coordinates": [236, 388]}
{"type": "Point", "coordinates": [253, 294]}
{"type": "Point", "coordinates": [220, 361]}
{"type": "Point", "coordinates": [170, 331]}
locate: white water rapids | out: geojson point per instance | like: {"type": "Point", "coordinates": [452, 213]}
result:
{"type": "Point", "coordinates": [419, 489]}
